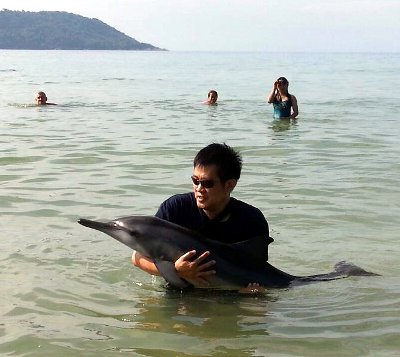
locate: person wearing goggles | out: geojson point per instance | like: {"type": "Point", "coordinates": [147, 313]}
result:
{"type": "Point", "coordinates": [210, 210]}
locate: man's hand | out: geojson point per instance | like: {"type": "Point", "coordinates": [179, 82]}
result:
{"type": "Point", "coordinates": [192, 270]}
{"type": "Point", "coordinates": [252, 288]}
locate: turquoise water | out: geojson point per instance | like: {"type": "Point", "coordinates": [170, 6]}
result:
{"type": "Point", "coordinates": [122, 139]}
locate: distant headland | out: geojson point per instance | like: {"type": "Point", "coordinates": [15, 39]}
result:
{"type": "Point", "coordinates": [55, 30]}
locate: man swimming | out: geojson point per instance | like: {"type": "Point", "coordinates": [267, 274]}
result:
{"type": "Point", "coordinates": [41, 99]}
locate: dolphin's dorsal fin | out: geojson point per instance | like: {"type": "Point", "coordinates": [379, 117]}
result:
{"type": "Point", "coordinates": [168, 272]}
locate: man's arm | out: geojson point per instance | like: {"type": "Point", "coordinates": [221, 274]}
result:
{"type": "Point", "coordinates": [144, 263]}
{"type": "Point", "coordinates": [193, 271]}
{"type": "Point", "coordinates": [295, 107]}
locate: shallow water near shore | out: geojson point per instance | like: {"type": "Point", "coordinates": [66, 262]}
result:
{"type": "Point", "coordinates": [122, 139]}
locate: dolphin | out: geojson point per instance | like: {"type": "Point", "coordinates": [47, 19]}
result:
{"type": "Point", "coordinates": [237, 264]}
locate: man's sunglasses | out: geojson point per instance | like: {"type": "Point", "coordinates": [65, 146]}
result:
{"type": "Point", "coordinates": [204, 183]}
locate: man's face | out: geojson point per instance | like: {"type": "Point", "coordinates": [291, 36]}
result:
{"type": "Point", "coordinates": [41, 99]}
{"type": "Point", "coordinates": [211, 199]}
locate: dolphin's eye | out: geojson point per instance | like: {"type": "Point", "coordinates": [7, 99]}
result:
{"type": "Point", "coordinates": [122, 226]}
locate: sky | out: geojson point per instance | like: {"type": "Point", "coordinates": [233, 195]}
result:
{"type": "Point", "coordinates": [243, 25]}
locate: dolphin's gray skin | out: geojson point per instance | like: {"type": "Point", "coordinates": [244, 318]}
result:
{"type": "Point", "coordinates": [237, 264]}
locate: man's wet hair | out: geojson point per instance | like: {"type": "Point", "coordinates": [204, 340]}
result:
{"type": "Point", "coordinates": [227, 160]}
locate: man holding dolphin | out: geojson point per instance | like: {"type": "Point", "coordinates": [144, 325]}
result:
{"type": "Point", "coordinates": [211, 211]}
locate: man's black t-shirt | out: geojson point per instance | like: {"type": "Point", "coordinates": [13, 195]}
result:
{"type": "Point", "coordinates": [238, 222]}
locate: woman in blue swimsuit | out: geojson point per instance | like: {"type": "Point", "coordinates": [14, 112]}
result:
{"type": "Point", "coordinates": [285, 104]}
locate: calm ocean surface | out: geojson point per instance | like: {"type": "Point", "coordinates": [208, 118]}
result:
{"type": "Point", "coordinates": [122, 140]}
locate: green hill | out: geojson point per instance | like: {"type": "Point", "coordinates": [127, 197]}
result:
{"type": "Point", "coordinates": [49, 30]}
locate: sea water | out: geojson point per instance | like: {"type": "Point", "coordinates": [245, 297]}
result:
{"type": "Point", "coordinates": [122, 139]}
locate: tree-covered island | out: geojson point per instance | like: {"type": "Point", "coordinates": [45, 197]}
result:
{"type": "Point", "coordinates": [55, 30]}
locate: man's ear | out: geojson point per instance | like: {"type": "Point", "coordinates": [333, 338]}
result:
{"type": "Point", "coordinates": [231, 184]}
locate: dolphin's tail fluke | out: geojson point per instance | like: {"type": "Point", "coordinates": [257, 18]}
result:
{"type": "Point", "coordinates": [350, 269]}
{"type": "Point", "coordinates": [342, 270]}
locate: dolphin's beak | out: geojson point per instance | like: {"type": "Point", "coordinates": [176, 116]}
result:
{"type": "Point", "coordinates": [100, 226]}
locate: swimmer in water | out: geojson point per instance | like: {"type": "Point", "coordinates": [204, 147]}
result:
{"type": "Point", "coordinates": [211, 98]}
{"type": "Point", "coordinates": [285, 104]}
{"type": "Point", "coordinates": [41, 99]}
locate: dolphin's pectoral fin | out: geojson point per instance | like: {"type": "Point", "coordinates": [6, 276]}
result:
{"type": "Point", "coordinates": [168, 272]}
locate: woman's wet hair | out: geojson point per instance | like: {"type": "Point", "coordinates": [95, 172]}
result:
{"type": "Point", "coordinates": [212, 91]}
{"type": "Point", "coordinates": [283, 80]}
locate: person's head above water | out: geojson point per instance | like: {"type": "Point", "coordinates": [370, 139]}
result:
{"type": "Point", "coordinates": [41, 98]}
{"type": "Point", "coordinates": [212, 97]}
{"type": "Point", "coordinates": [282, 84]}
